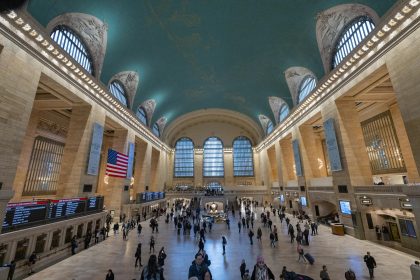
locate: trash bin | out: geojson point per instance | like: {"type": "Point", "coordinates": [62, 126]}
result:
{"type": "Point", "coordinates": [337, 229]}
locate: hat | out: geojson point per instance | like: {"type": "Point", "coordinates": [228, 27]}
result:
{"type": "Point", "coordinates": [260, 259]}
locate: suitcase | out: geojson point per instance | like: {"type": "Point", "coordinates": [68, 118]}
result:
{"type": "Point", "coordinates": [310, 259]}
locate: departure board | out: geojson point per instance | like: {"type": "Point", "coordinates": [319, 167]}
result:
{"type": "Point", "coordinates": [25, 212]}
{"type": "Point", "coordinates": [95, 203]}
{"type": "Point", "coordinates": [66, 207]}
{"type": "Point", "coordinates": [149, 196]}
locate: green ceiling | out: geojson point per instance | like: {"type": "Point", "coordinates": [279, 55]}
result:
{"type": "Point", "coordinates": [196, 54]}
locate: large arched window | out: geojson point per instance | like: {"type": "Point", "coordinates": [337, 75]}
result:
{"type": "Point", "coordinates": [141, 114]}
{"type": "Point", "coordinates": [213, 165]}
{"type": "Point", "coordinates": [155, 130]}
{"type": "Point", "coordinates": [269, 128]}
{"type": "Point", "coordinates": [73, 45]}
{"type": "Point", "coordinates": [243, 164]}
{"type": "Point", "coordinates": [350, 37]}
{"type": "Point", "coordinates": [307, 85]}
{"type": "Point", "coordinates": [117, 90]}
{"type": "Point", "coordinates": [184, 158]}
{"type": "Point", "coordinates": [284, 111]}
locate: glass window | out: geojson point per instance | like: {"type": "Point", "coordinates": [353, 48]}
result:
{"type": "Point", "coordinates": [213, 165]}
{"type": "Point", "coordinates": [117, 90]}
{"type": "Point", "coordinates": [284, 111]}
{"type": "Point", "coordinates": [73, 45]}
{"type": "Point", "coordinates": [351, 36]}
{"type": "Point", "coordinates": [141, 114]}
{"type": "Point", "coordinates": [307, 85]}
{"type": "Point", "coordinates": [243, 164]}
{"type": "Point", "coordinates": [155, 130]}
{"type": "Point", "coordinates": [269, 128]}
{"type": "Point", "coordinates": [184, 158]}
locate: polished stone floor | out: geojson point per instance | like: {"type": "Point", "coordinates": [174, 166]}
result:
{"type": "Point", "coordinates": [337, 252]}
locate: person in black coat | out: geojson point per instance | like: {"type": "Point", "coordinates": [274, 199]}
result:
{"type": "Point", "coordinates": [370, 263]}
{"type": "Point", "coordinates": [109, 275]}
{"type": "Point", "coordinates": [262, 269]}
{"type": "Point", "coordinates": [198, 267]}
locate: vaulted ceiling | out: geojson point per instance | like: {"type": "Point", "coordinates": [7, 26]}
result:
{"type": "Point", "coordinates": [199, 54]}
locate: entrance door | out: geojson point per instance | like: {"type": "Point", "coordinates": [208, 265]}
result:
{"type": "Point", "coordinates": [317, 210]}
{"type": "Point", "coordinates": [395, 235]}
{"type": "Point", "coordinates": [290, 204]}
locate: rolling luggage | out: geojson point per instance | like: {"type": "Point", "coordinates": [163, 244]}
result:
{"type": "Point", "coordinates": [310, 259]}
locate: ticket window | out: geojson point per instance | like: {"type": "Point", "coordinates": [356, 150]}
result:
{"type": "Point", "coordinates": [3, 251]}
{"type": "Point", "coordinates": [40, 243]}
{"type": "Point", "coordinates": [21, 248]}
{"type": "Point", "coordinates": [79, 231]}
{"type": "Point", "coordinates": [69, 235]}
{"type": "Point", "coordinates": [55, 242]}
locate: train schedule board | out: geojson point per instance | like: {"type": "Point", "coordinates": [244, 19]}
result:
{"type": "Point", "coordinates": [25, 213]}
{"type": "Point", "coordinates": [66, 207]}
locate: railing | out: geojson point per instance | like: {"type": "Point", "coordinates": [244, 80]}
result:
{"type": "Point", "coordinates": [323, 189]}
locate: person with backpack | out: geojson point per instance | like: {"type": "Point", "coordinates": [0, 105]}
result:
{"type": "Point", "coordinates": [224, 242]}
{"type": "Point", "coordinates": [152, 271]}
{"type": "Point", "coordinates": [323, 274]}
{"type": "Point", "coordinates": [301, 253]}
{"type": "Point", "coordinates": [161, 257]}
{"type": "Point", "coordinates": [350, 275]}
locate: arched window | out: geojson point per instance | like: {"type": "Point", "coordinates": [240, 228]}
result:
{"type": "Point", "coordinates": [284, 111]}
{"type": "Point", "coordinates": [155, 130]}
{"type": "Point", "coordinates": [307, 85]}
{"type": "Point", "coordinates": [243, 164]}
{"type": "Point", "coordinates": [269, 128]}
{"type": "Point", "coordinates": [350, 37]}
{"type": "Point", "coordinates": [73, 45]}
{"type": "Point", "coordinates": [117, 90]}
{"type": "Point", "coordinates": [184, 158]}
{"type": "Point", "coordinates": [141, 114]}
{"type": "Point", "coordinates": [213, 165]}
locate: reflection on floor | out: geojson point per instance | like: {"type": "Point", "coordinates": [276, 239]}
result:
{"type": "Point", "coordinates": [337, 252]}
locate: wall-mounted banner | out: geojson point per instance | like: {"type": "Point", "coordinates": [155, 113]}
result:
{"type": "Point", "coordinates": [95, 149]}
{"type": "Point", "coordinates": [332, 146]}
{"type": "Point", "coordinates": [130, 160]}
{"type": "Point", "coordinates": [296, 155]}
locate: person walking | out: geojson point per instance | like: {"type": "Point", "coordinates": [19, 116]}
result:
{"type": "Point", "coordinates": [224, 242]}
{"type": "Point", "coordinates": [370, 263]}
{"type": "Point", "coordinates": [242, 268]}
{"type": "Point", "coordinates": [138, 255]}
{"type": "Point", "coordinates": [251, 235]}
{"type": "Point", "coordinates": [31, 262]}
{"type": "Point", "coordinates": [272, 240]}
{"type": "Point", "coordinates": [73, 245]}
{"type": "Point", "coordinates": [301, 253]}
{"type": "Point", "coordinates": [152, 244]}
{"type": "Point", "coordinates": [262, 271]}
{"type": "Point", "coordinates": [152, 270]}
{"type": "Point", "coordinates": [161, 257]}
{"type": "Point", "coordinates": [239, 226]}
{"type": "Point", "coordinates": [259, 234]}
{"type": "Point", "coordinates": [12, 268]}
{"type": "Point", "coordinates": [323, 274]}
{"type": "Point", "coordinates": [197, 268]}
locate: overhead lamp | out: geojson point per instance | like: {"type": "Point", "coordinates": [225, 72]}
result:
{"type": "Point", "coordinates": [33, 33]}
{"type": "Point", "coordinates": [406, 10]}
{"type": "Point", "coordinates": [26, 27]}
{"type": "Point", "coordinates": [19, 21]}
{"type": "Point", "coordinates": [414, 3]}
{"type": "Point", "coordinates": [12, 14]}
{"type": "Point", "coordinates": [399, 16]}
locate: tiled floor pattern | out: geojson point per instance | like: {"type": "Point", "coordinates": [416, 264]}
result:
{"type": "Point", "coordinates": [337, 252]}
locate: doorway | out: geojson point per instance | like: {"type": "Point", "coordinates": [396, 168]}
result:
{"type": "Point", "coordinates": [394, 233]}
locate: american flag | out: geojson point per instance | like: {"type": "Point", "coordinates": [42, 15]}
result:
{"type": "Point", "coordinates": [117, 164]}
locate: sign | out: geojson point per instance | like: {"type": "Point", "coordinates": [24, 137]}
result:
{"type": "Point", "coordinates": [130, 160]}
{"type": "Point", "coordinates": [24, 212]}
{"type": "Point", "coordinates": [332, 146]}
{"type": "Point", "coordinates": [296, 155]}
{"type": "Point", "coordinates": [366, 201]}
{"type": "Point", "coordinates": [66, 207]}
{"type": "Point", "coordinates": [95, 149]}
{"type": "Point", "coordinates": [149, 196]}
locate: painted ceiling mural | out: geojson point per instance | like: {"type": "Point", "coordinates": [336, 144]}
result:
{"type": "Point", "coordinates": [191, 55]}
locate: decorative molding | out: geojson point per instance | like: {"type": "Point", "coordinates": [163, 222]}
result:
{"type": "Point", "coordinates": [149, 106]}
{"type": "Point", "coordinates": [275, 104]}
{"type": "Point", "coordinates": [161, 122]}
{"type": "Point", "coordinates": [51, 127]}
{"type": "Point", "coordinates": [91, 30]}
{"type": "Point", "coordinates": [294, 77]}
{"type": "Point", "coordinates": [331, 22]}
{"type": "Point", "coordinates": [130, 81]}
{"type": "Point", "coordinates": [264, 121]}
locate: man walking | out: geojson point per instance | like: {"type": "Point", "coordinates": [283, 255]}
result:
{"type": "Point", "coordinates": [224, 242]}
{"type": "Point", "coordinates": [370, 263]}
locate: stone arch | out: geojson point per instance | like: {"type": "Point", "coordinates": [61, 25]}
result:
{"type": "Point", "coordinates": [264, 121]}
{"type": "Point", "coordinates": [130, 81]}
{"type": "Point", "coordinates": [161, 123]}
{"type": "Point", "coordinates": [149, 106]}
{"type": "Point", "coordinates": [294, 78]}
{"type": "Point", "coordinates": [330, 24]}
{"type": "Point", "coordinates": [275, 104]}
{"type": "Point", "coordinates": [91, 30]}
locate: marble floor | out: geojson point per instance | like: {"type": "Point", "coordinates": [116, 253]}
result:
{"type": "Point", "coordinates": [337, 252]}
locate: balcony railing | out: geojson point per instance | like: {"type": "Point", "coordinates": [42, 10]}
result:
{"type": "Point", "coordinates": [395, 189]}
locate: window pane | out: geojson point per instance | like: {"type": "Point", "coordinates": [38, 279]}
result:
{"type": "Point", "coordinates": [72, 44]}
{"type": "Point", "coordinates": [213, 165]}
{"type": "Point", "coordinates": [118, 92]}
{"type": "Point", "coordinates": [306, 87]}
{"type": "Point", "coordinates": [184, 158]}
{"type": "Point", "coordinates": [284, 111]}
{"type": "Point", "coordinates": [243, 164]}
{"type": "Point", "coordinates": [351, 37]}
{"type": "Point", "coordinates": [155, 130]}
{"type": "Point", "coordinates": [269, 127]}
{"type": "Point", "coordinates": [141, 114]}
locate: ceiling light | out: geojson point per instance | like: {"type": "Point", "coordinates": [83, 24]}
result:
{"type": "Point", "coordinates": [399, 16]}
{"type": "Point", "coordinates": [12, 14]}
{"type": "Point", "coordinates": [45, 43]}
{"type": "Point", "coordinates": [386, 28]}
{"type": "Point", "coordinates": [380, 34]}
{"type": "Point", "coordinates": [26, 27]}
{"type": "Point", "coordinates": [365, 48]}
{"type": "Point", "coordinates": [33, 33]}
{"type": "Point", "coordinates": [414, 3]}
{"type": "Point", "coordinates": [50, 48]}
{"type": "Point", "coordinates": [19, 21]}
{"type": "Point", "coordinates": [39, 38]}
{"type": "Point", "coordinates": [60, 56]}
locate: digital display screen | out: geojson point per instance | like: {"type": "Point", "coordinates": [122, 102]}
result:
{"type": "Point", "coordinates": [303, 201]}
{"type": "Point", "coordinates": [25, 212]}
{"type": "Point", "coordinates": [149, 196]}
{"type": "Point", "coordinates": [66, 207]}
{"type": "Point", "coordinates": [345, 207]}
